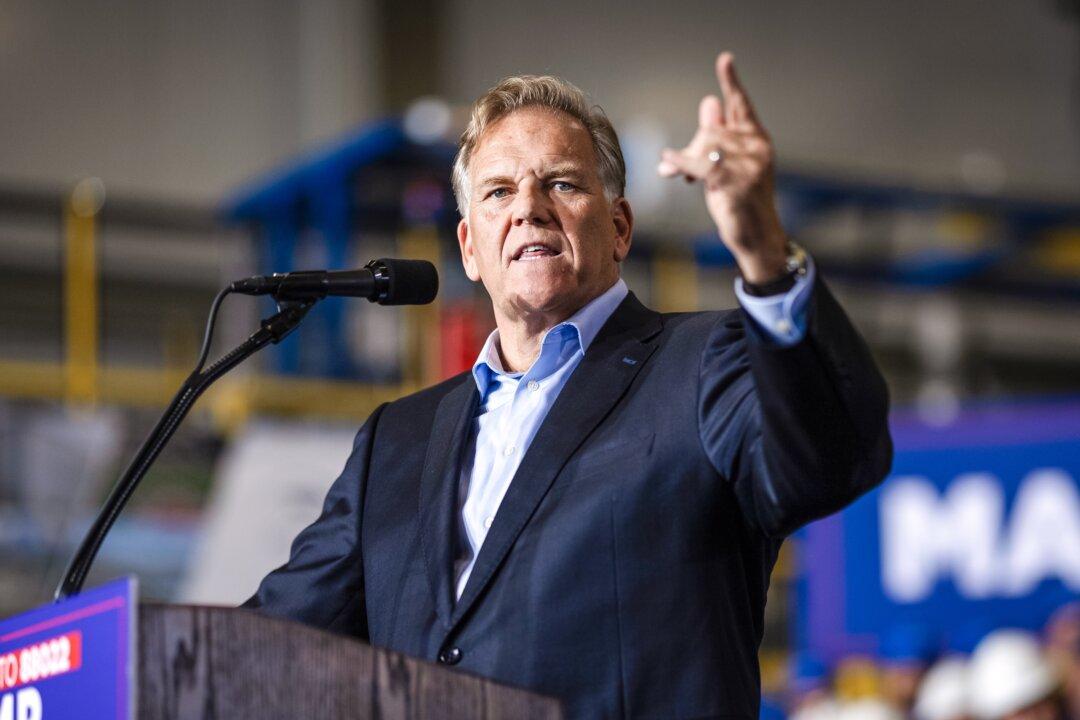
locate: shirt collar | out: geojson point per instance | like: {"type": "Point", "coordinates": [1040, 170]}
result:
{"type": "Point", "coordinates": [584, 325]}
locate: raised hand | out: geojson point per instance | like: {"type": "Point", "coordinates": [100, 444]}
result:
{"type": "Point", "coordinates": [732, 154]}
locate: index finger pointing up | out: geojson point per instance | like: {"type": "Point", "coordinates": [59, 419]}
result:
{"type": "Point", "coordinates": [737, 105]}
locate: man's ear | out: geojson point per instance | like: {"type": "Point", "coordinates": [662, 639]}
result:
{"type": "Point", "coordinates": [465, 244]}
{"type": "Point", "coordinates": [623, 219]}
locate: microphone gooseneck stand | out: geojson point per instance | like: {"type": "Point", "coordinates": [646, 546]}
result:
{"type": "Point", "coordinates": [272, 330]}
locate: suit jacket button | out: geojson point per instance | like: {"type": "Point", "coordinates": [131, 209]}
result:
{"type": "Point", "coordinates": [451, 656]}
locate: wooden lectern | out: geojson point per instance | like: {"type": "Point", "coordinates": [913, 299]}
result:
{"type": "Point", "coordinates": [216, 662]}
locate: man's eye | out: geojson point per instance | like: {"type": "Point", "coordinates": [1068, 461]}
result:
{"type": "Point", "coordinates": [563, 186]}
{"type": "Point", "coordinates": [499, 193]}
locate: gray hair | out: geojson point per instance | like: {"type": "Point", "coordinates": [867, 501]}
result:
{"type": "Point", "coordinates": [543, 91]}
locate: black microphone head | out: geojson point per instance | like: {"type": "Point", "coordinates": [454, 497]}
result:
{"type": "Point", "coordinates": [410, 282]}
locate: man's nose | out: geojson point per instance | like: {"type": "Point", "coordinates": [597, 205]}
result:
{"type": "Point", "coordinates": [531, 206]}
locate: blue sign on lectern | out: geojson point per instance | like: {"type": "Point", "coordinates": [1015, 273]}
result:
{"type": "Point", "coordinates": [72, 659]}
{"type": "Point", "coordinates": [977, 526]}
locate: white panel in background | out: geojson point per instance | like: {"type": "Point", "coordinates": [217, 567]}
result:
{"type": "Point", "coordinates": [65, 459]}
{"type": "Point", "coordinates": [269, 484]}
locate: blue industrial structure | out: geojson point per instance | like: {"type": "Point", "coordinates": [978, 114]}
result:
{"type": "Point", "coordinates": [339, 193]}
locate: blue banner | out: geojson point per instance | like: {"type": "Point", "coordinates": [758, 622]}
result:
{"type": "Point", "coordinates": [978, 526]}
{"type": "Point", "coordinates": [73, 659]}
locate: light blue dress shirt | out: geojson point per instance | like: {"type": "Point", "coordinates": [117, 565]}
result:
{"type": "Point", "coordinates": [513, 405]}
{"type": "Point", "coordinates": [781, 317]}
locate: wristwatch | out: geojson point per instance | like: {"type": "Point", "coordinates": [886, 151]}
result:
{"type": "Point", "coordinates": [794, 266]}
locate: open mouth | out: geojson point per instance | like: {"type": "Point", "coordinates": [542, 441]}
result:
{"type": "Point", "coordinates": [535, 251]}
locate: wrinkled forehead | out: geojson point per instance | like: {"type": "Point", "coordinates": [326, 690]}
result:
{"type": "Point", "coordinates": [534, 137]}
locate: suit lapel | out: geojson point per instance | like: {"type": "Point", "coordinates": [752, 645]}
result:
{"type": "Point", "coordinates": [438, 491]}
{"type": "Point", "coordinates": [615, 357]}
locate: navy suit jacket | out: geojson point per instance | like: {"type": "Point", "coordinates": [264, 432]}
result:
{"type": "Point", "coordinates": [627, 567]}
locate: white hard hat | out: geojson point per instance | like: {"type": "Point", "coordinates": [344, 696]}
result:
{"type": "Point", "coordinates": [943, 693]}
{"type": "Point", "coordinates": [1008, 673]}
{"type": "Point", "coordinates": [869, 710]}
{"type": "Point", "coordinates": [824, 710]}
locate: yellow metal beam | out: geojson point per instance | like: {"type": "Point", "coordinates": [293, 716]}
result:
{"type": "Point", "coordinates": [81, 293]}
{"type": "Point", "coordinates": [674, 281]}
{"type": "Point", "coordinates": [423, 335]}
{"type": "Point", "coordinates": [32, 380]}
{"type": "Point", "coordinates": [232, 400]}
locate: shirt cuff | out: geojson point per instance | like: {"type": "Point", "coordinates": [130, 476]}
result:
{"type": "Point", "coordinates": [780, 319]}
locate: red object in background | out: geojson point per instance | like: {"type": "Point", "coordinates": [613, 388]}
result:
{"type": "Point", "coordinates": [464, 329]}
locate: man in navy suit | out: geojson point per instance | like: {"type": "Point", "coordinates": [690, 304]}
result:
{"type": "Point", "coordinates": [593, 512]}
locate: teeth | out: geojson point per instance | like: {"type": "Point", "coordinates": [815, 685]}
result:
{"type": "Point", "coordinates": [534, 249]}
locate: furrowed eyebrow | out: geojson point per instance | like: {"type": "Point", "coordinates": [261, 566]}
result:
{"type": "Point", "coordinates": [495, 180]}
{"type": "Point", "coordinates": [568, 170]}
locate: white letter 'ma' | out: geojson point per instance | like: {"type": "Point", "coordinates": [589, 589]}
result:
{"type": "Point", "coordinates": [926, 535]}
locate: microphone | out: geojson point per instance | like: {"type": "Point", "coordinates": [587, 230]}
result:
{"type": "Point", "coordinates": [386, 281]}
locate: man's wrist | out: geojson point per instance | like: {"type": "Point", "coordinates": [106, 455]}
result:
{"type": "Point", "coordinates": [777, 286]}
{"type": "Point", "coordinates": [779, 317]}
{"type": "Point", "coordinates": [763, 270]}
{"type": "Point", "coordinates": [774, 278]}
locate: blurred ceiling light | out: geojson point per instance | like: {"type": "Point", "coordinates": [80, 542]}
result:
{"type": "Point", "coordinates": [982, 172]}
{"type": "Point", "coordinates": [427, 120]}
{"type": "Point", "coordinates": [88, 196]}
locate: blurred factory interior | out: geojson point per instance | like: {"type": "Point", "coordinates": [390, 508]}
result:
{"type": "Point", "coordinates": [929, 159]}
